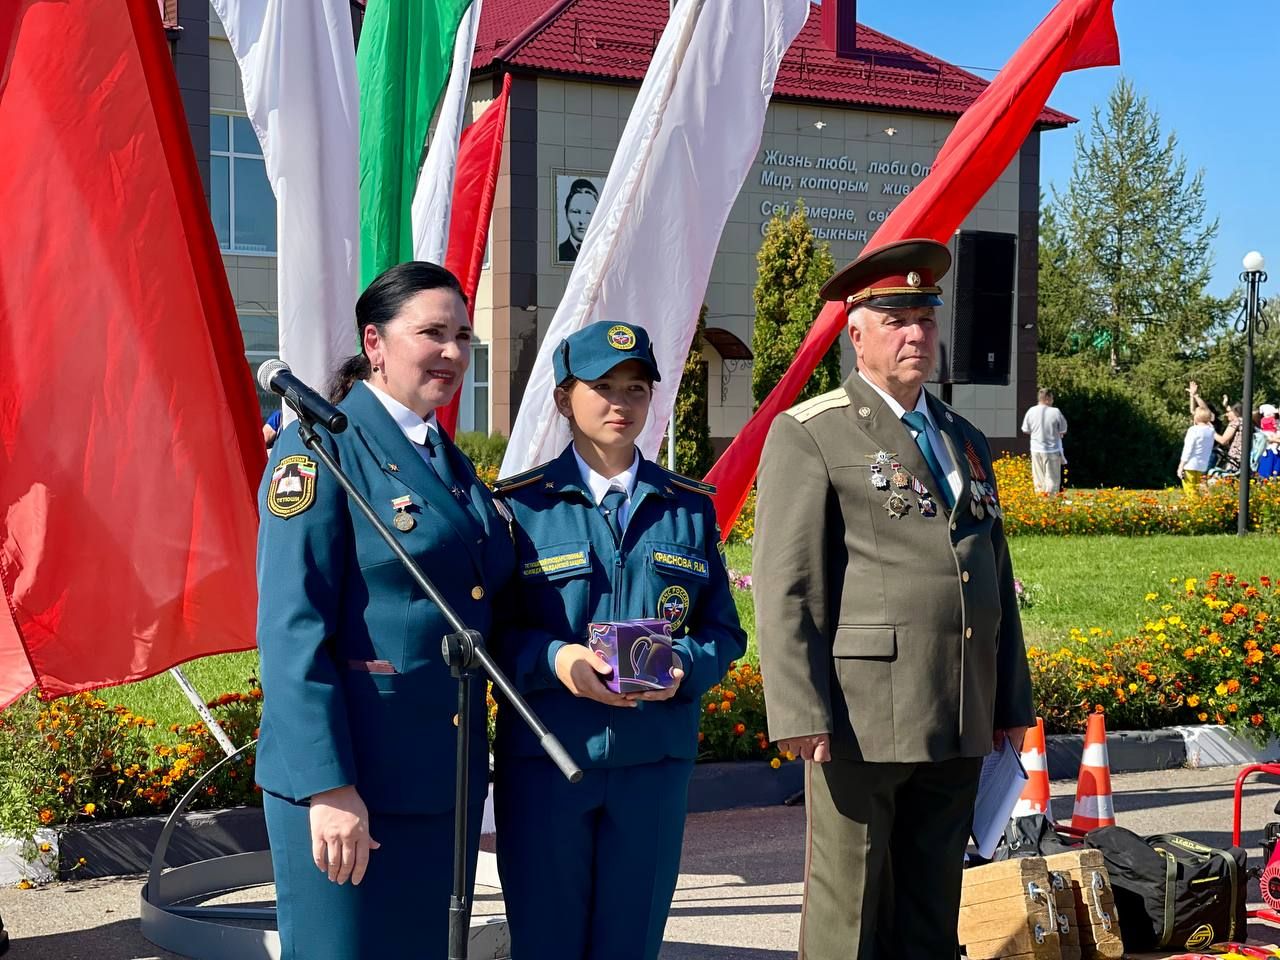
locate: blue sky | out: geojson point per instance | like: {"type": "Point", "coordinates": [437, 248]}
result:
{"type": "Point", "coordinates": [1210, 70]}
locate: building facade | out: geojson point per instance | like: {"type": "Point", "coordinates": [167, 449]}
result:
{"type": "Point", "coordinates": [848, 137]}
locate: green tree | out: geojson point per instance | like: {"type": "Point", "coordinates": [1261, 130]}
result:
{"type": "Point", "coordinates": [693, 436]}
{"type": "Point", "coordinates": [792, 269]}
{"type": "Point", "coordinates": [1132, 241]}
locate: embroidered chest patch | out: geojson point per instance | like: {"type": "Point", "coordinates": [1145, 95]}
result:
{"type": "Point", "coordinates": [680, 562]}
{"type": "Point", "coordinates": [560, 563]}
{"type": "Point", "coordinates": [293, 487]}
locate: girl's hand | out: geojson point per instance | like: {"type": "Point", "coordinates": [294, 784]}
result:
{"type": "Point", "coordinates": [582, 673]}
{"type": "Point", "coordinates": [677, 674]}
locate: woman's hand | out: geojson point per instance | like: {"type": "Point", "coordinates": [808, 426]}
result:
{"type": "Point", "coordinates": [677, 674]}
{"type": "Point", "coordinates": [340, 841]}
{"type": "Point", "coordinates": [581, 670]}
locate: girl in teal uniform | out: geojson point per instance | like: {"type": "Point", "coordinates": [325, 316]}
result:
{"type": "Point", "coordinates": [355, 759]}
{"type": "Point", "coordinates": [603, 535]}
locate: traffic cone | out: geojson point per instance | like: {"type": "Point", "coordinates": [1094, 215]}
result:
{"type": "Point", "coordinates": [1094, 807]}
{"type": "Point", "coordinates": [1035, 795]}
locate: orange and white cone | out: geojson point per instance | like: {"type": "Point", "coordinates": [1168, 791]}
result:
{"type": "Point", "coordinates": [1035, 796]}
{"type": "Point", "coordinates": [1094, 807]}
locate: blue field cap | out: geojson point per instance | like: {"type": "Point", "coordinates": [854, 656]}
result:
{"type": "Point", "coordinates": [596, 349]}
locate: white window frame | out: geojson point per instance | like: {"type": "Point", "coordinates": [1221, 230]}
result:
{"type": "Point", "coordinates": [467, 403]}
{"type": "Point", "coordinates": [256, 357]}
{"type": "Point", "coordinates": [231, 156]}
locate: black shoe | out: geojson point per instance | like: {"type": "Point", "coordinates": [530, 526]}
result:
{"type": "Point", "coordinates": [4, 942]}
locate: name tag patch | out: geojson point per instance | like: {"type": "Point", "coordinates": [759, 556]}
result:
{"type": "Point", "coordinates": [560, 563]}
{"type": "Point", "coordinates": [680, 562]}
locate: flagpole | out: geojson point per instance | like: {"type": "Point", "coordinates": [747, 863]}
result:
{"type": "Point", "coordinates": [202, 708]}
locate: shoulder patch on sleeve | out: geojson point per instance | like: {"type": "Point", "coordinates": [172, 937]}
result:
{"type": "Point", "coordinates": [687, 483]}
{"type": "Point", "coordinates": [831, 400]}
{"type": "Point", "coordinates": [518, 481]}
{"type": "Point", "coordinates": [293, 487]}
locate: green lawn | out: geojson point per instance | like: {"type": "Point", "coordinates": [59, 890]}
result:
{"type": "Point", "coordinates": [1101, 581]}
{"type": "Point", "coordinates": [1076, 581]}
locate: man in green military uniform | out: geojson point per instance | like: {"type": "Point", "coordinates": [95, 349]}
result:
{"type": "Point", "coordinates": [888, 627]}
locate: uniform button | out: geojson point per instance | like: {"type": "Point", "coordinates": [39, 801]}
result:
{"type": "Point", "coordinates": [953, 526]}
{"type": "Point", "coordinates": [965, 576]}
{"type": "Point", "coordinates": [968, 632]}
{"type": "Point", "coordinates": [477, 592]}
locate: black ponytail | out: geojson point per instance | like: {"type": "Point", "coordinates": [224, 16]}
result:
{"type": "Point", "coordinates": [381, 303]}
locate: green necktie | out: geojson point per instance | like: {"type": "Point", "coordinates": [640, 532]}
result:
{"type": "Point", "coordinates": [611, 507]}
{"type": "Point", "coordinates": [918, 424]}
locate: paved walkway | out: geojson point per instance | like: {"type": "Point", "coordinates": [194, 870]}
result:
{"type": "Point", "coordinates": [739, 892]}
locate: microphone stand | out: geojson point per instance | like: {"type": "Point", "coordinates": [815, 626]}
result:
{"type": "Point", "coordinates": [464, 651]}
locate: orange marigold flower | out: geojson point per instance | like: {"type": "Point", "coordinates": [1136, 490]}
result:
{"type": "Point", "coordinates": [89, 808]}
{"type": "Point", "coordinates": [1233, 685]}
{"type": "Point", "coordinates": [739, 729]}
{"type": "Point", "coordinates": [1228, 618]}
{"type": "Point", "coordinates": [775, 763]}
{"type": "Point", "coordinates": [1256, 719]}
{"type": "Point", "coordinates": [1202, 717]}
{"type": "Point", "coordinates": [712, 707]}
{"type": "Point", "coordinates": [725, 706]}
{"type": "Point", "coordinates": [46, 816]}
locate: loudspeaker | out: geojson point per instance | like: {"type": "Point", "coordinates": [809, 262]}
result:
{"type": "Point", "coordinates": [981, 342]}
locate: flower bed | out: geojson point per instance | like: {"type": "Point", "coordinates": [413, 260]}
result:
{"type": "Point", "coordinates": [1208, 652]}
{"type": "Point", "coordinates": [78, 760]}
{"type": "Point", "coordinates": [1129, 512]}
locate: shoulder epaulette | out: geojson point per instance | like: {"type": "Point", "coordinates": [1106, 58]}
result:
{"type": "Point", "coordinates": [831, 400]}
{"type": "Point", "coordinates": [687, 483]}
{"type": "Point", "coordinates": [518, 481]}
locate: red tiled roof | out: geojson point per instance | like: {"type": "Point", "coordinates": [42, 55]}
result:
{"type": "Point", "coordinates": [614, 40]}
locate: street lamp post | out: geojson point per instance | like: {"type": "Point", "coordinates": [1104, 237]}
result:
{"type": "Point", "coordinates": [1249, 322]}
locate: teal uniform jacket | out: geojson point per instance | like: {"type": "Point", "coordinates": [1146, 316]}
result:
{"type": "Point", "coordinates": [355, 691]}
{"type": "Point", "coordinates": [569, 574]}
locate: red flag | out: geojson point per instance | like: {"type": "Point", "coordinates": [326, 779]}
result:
{"type": "Point", "coordinates": [130, 442]}
{"type": "Point", "coordinates": [1076, 34]}
{"type": "Point", "coordinates": [475, 179]}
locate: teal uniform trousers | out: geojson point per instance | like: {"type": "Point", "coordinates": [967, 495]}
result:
{"type": "Point", "coordinates": [355, 691]}
{"type": "Point", "coordinates": [588, 870]}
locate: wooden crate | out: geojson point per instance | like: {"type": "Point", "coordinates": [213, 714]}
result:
{"type": "Point", "coordinates": [1089, 889]}
{"type": "Point", "coordinates": [1008, 911]}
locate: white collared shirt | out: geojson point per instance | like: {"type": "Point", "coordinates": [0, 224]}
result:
{"type": "Point", "coordinates": [954, 480]}
{"type": "Point", "coordinates": [599, 486]}
{"type": "Point", "coordinates": [410, 424]}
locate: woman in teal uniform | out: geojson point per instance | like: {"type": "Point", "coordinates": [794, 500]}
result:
{"type": "Point", "coordinates": [356, 758]}
{"type": "Point", "coordinates": [603, 535]}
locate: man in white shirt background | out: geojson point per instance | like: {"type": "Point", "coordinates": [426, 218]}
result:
{"type": "Point", "coordinates": [1046, 425]}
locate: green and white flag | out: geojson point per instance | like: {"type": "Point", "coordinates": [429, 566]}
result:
{"type": "Point", "coordinates": [406, 52]}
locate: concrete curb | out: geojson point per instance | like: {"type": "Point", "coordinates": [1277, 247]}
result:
{"type": "Point", "coordinates": [122, 847]}
{"type": "Point", "coordinates": [1142, 751]}
{"type": "Point", "coordinates": [744, 783]}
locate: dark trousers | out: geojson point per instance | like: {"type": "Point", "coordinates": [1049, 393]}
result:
{"type": "Point", "coordinates": [884, 854]}
{"type": "Point", "coordinates": [400, 909]}
{"type": "Point", "coordinates": [588, 869]}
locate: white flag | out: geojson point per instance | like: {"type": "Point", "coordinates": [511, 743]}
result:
{"type": "Point", "coordinates": [683, 157]}
{"type": "Point", "coordinates": [434, 192]}
{"type": "Point", "coordinates": [298, 63]}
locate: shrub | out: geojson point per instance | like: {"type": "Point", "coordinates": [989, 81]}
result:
{"type": "Point", "coordinates": [1120, 434]}
{"type": "Point", "coordinates": [484, 451]}
{"type": "Point", "coordinates": [744, 528]}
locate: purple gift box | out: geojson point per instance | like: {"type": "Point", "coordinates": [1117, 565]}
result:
{"type": "Point", "coordinates": [639, 651]}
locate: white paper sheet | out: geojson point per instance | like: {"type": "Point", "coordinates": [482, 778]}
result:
{"type": "Point", "coordinates": [999, 786]}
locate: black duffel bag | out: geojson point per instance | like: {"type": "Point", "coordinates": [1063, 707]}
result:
{"type": "Point", "coordinates": [1171, 891]}
{"type": "Point", "coordinates": [1031, 836]}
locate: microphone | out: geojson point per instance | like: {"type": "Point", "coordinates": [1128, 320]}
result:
{"type": "Point", "coordinates": [274, 376]}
